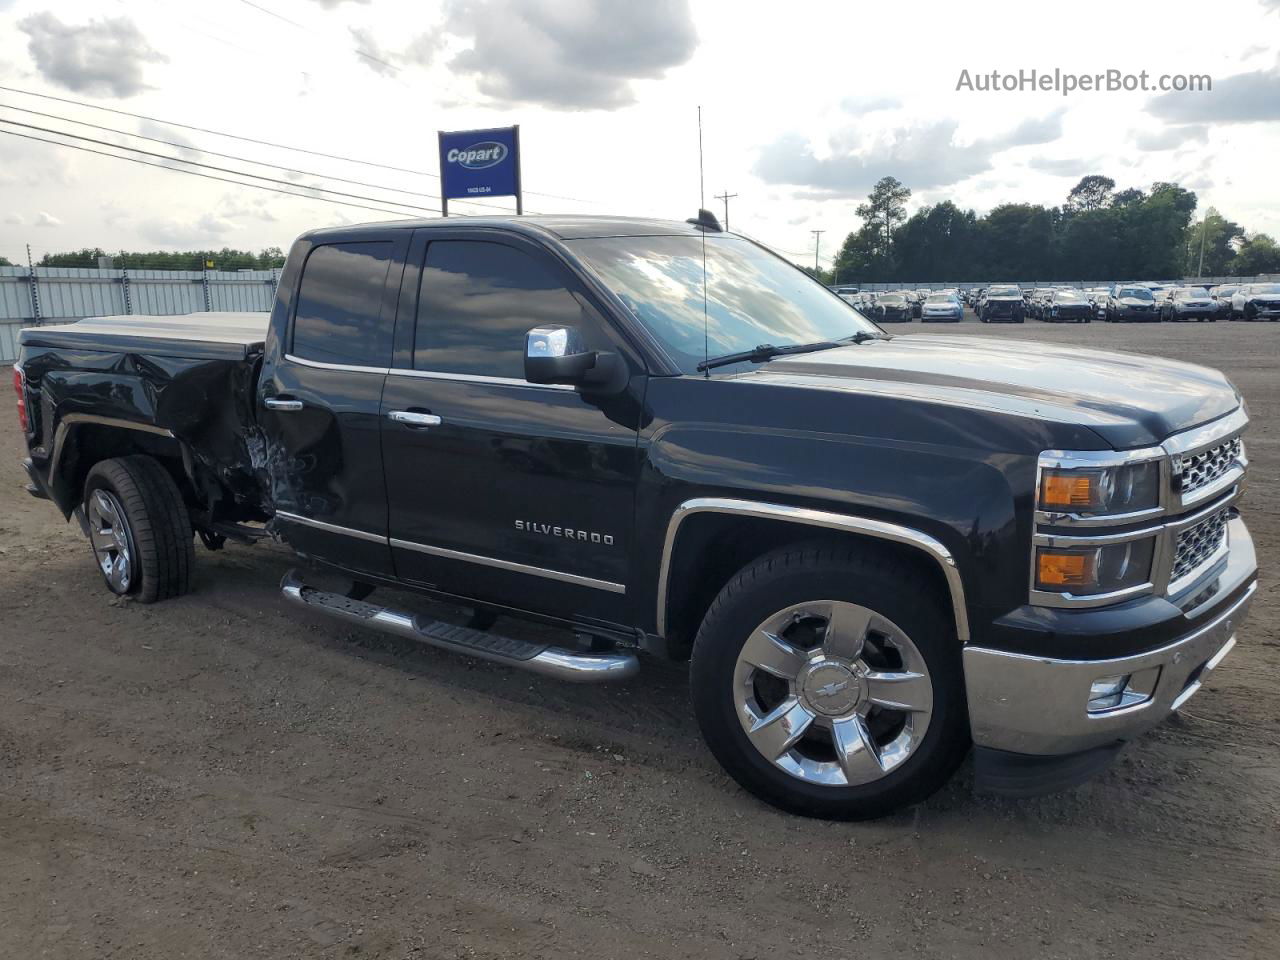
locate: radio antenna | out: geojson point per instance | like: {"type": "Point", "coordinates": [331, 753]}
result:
{"type": "Point", "coordinates": [702, 192]}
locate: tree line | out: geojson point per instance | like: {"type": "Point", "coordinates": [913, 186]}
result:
{"type": "Point", "coordinates": [1098, 233]}
{"type": "Point", "coordinates": [224, 259]}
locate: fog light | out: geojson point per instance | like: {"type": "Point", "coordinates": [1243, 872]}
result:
{"type": "Point", "coordinates": [1107, 693]}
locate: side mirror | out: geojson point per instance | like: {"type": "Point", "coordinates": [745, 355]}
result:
{"type": "Point", "coordinates": [559, 355]}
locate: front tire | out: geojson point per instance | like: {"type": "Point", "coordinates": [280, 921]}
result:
{"type": "Point", "coordinates": [139, 529]}
{"type": "Point", "coordinates": [826, 680]}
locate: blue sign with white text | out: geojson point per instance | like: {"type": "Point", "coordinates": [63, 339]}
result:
{"type": "Point", "coordinates": [480, 163]}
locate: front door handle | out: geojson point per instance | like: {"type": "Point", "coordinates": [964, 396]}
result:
{"type": "Point", "coordinates": [412, 418]}
{"type": "Point", "coordinates": [282, 403]}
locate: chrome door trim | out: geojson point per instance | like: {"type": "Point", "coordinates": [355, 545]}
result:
{"type": "Point", "coordinates": [510, 565]}
{"type": "Point", "coordinates": [478, 378]}
{"type": "Point", "coordinates": [331, 527]}
{"type": "Point", "coordinates": [815, 518]}
{"type": "Point", "coordinates": [347, 367]}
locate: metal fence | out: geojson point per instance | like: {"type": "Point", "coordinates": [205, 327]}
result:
{"type": "Point", "coordinates": [29, 298]}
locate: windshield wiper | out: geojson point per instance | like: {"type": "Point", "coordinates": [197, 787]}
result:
{"type": "Point", "coordinates": [767, 351]}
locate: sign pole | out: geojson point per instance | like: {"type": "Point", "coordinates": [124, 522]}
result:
{"type": "Point", "coordinates": [444, 194]}
{"type": "Point", "coordinates": [519, 188]}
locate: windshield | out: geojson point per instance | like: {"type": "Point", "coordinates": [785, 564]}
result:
{"type": "Point", "coordinates": [1068, 296]}
{"type": "Point", "coordinates": [1265, 288]}
{"type": "Point", "coordinates": [753, 297]}
{"type": "Point", "coordinates": [1139, 293]}
{"type": "Point", "coordinates": [1193, 293]}
{"type": "Point", "coordinates": [893, 298]}
{"type": "Point", "coordinates": [941, 298]}
{"type": "Point", "coordinates": [1004, 292]}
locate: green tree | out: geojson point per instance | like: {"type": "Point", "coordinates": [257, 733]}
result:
{"type": "Point", "coordinates": [884, 210]}
{"type": "Point", "coordinates": [1258, 254]}
{"type": "Point", "coordinates": [858, 260]}
{"type": "Point", "coordinates": [1017, 242]}
{"type": "Point", "coordinates": [1091, 193]}
{"type": "Point", "coordinates": [1215, 235]}
{"type": "Point", "coordinates": [4, 262]}
{"type": "Point", "coordinates": [1155, 232]}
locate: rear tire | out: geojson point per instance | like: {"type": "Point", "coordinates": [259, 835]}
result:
{"type": "Point", "coordinates": [815, 597]}
{"type": "Point", "coordinates": [139, 529]}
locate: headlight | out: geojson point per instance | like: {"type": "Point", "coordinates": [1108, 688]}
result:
{"type": "Point", "coordinates": [1084, 571]}
{"type": "Point", "coordinates": [1101, 491]}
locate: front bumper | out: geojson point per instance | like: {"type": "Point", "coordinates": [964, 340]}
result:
{"type": "Point", "coordinates": [1032, 705]}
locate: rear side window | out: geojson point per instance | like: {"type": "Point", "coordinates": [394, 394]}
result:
{"type": "Point", "coordinates": [338, 319]}
{"type": "Point", "coordinates": [477, 302]}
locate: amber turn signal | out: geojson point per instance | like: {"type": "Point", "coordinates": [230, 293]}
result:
{"type": "Point", "coordinates": [1067, 569]}
{"type": "Point", "coordinates": [1067, 490]}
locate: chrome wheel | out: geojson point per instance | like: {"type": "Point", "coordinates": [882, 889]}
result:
{"type": "Point", "coordinates": [832, 693]}
{"type": "Point", "coordinates": [109, 534]}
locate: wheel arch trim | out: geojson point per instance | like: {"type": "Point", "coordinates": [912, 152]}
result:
{"type": "Point", "coordinates": [804, 516]}
{"type": "Point", "coordinates": [71, 420]}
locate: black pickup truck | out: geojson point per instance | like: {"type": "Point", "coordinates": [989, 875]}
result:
{"type": "Point", "coordinates": [875, 551]}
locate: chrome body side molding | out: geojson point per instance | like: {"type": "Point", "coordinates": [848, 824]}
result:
{"type": "Point", "coordinates": [511, 565]}
{"type": "Point", "coordinates": [804, 516]}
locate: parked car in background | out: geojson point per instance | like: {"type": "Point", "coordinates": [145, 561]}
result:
{"type": "Point", "coordinates": [1222, 297]}
{"type": "Point", "coordinates": [1067, 306]}
{"type": "Point", "coordinates": [1132, 304]}
{"type": "Point", "coordinates": [942, 308]}
{"type": "Point", "coordinates": [1039, 297]}
{"type": "Point", "coordinates": [1257, 301]}
{"type": "Point", "coordinates": [1003, 304]}
{"type": "Point", "coordinates": [1098, 301]}
{"type": "Point", "coordinates": [892, 308]}
{"type": "Point", "coordinates": [916, 301]}
{"type": "Point", "coordinates": [1189, 303]}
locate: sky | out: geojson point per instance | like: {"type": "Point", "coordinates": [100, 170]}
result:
{"type": "Point", "coordinates": [804, 104]}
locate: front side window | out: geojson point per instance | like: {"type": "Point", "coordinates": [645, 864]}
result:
{"type": "Point", "coordinates": [476, 303]}
{"type": "Point", "coordinates": [339, 313]}
{"type": "Point", "coordinates": [752, 296]}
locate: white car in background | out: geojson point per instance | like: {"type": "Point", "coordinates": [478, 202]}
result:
{"type": "Point", "coordinates": [1256, 301]}
{"type": "Point", "coordinates": [941, 308]}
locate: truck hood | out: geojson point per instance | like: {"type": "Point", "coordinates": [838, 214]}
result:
{"type": "Point", "coordinates": [1129, 400]}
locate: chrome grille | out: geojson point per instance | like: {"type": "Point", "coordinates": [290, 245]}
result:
{"type": "Point", "coordinates": [1197, 544]}
{"type": "Point", "coordinates": [1203, 468]}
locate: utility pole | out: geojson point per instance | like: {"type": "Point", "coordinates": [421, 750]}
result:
{"type": "Point", "coordinates": [1204, 228]}
{"type": "Point", "coordinates": [726, 197]}
{"type": "Point", "coordinates": [817, 241]}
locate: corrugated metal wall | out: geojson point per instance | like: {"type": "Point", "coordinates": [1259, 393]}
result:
{"type": "Point", "coordinates": [69, 293]}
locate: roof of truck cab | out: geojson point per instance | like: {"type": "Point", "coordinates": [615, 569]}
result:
{"type": "Point", "coordinates": [566, 227]}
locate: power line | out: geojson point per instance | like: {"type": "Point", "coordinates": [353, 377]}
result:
{"type": "Point", "coordinates": [210, 166]}
{"type": "Point", "coordinates": [293, 23]}
{"type": "Point", "coordinates": [206, 176]}
{"type": "Point", "coordinates": [232, 156]}
{"type": "Point", "coordinates": [261, 143]}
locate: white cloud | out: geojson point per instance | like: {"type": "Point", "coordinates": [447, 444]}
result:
{"type": "Point", "coordinates": [581, 55]}
{"type": "Point", "coordinates": [44, 219]}
{"type": "Point", "coordinates": [102, 57]}
{"type": "Point", "coordinates": [921, 155]}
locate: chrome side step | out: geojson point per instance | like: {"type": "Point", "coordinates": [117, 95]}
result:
{"type": "Point", "coordinates": [542, 658]}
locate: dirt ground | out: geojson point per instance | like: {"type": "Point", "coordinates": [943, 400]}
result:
{"type": "Point", "coordinates": [220, 776]}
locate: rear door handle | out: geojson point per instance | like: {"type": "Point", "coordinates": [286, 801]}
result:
{"type": "Point", "coordinates": [412, 418]}
{"type": "Point", "coordinates": [281, 403]}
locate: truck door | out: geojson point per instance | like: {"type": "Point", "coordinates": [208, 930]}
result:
{"type": "Point", "coordinates": [498, 489]}
{"type": "Point", "coordinates": [319, 403]}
